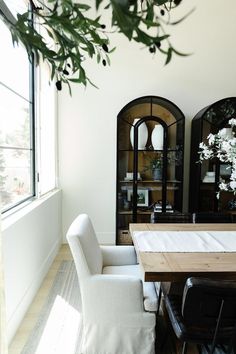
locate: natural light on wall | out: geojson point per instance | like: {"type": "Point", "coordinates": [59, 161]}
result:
{"type": "Point", "coordinates": [47, 131]}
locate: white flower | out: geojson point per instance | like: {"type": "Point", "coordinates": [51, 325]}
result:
{"type": "Point", "coordinates": [232, 121]}
{"type": "Point", "coordinates": [223, 186]}
{"type": "Point", "coordinates": [232, 185]}
{"type": "Point", "coordinates": [225, 146]}
{"type": "Point", "coordinates": [222, 132]}
{"type": "Point", "coordinates": [202, 145]}
{"type": "Point", "coordinates": [222, 146]}
{"type": "Point", "coordinates": [233, 175]}
{"type": "Point", "coordinates": [233, 141]}
{"type": "Point", "coordinates": [211, 139]}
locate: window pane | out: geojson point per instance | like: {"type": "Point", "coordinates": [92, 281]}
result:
{"type": "Point", "coordinates": [16, 130]}
{"type": "Point", "coordinates": [14, 120]}
{"type": "Point", "coordinates": [16, 6]}
{"type": "Point", "coordinates": [15, 175]}
{"type": "Point", "coordinates": [16, 166]}
{"type": "Point", "coordinates": [47, 138]}
{"type": "Point", "coordinates": [14, 64]}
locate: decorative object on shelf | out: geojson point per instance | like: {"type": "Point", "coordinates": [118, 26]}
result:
{"type": "Point", "coordinates": [225, 170]}
{"type": "Point", "coordinates": [142, 196]}
{"type": "Point", "coordinates": [126, 205]}
{"type": "Point", "coordinates": [155, 165]}
{"type": "Point", "coordinates": [222, 147]}
{"type": "Point", "coordinates": [157, 137]}
{"type": "Point", "coordinates": [120, 201]}
{"type": "Point", "coordinates": [142, 135]}
{"type": "Point", "coordinates": [129, 176]}
{"type": "Point", "coordinates": [232, 204]}
{"type": "Point", "coordinates": [158, 207]}
{"type": "Point", "coordinates": [209, 177]}
{"type": "Point", "coordinates": [157, 173]}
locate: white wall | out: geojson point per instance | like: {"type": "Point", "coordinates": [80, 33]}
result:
{"type": "Point", "coordinates": [30, 240]}
{"type": "Point", "coordinates": [87, 138]}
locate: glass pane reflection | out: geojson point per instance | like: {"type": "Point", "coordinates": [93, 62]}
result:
{"type": "Point", "coordinates": [15, 175]}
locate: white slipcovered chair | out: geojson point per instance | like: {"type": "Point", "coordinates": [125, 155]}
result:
{"type": "Point", "coordinates": [118, 309]}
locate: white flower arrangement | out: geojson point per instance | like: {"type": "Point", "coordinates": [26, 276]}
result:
{"type": "Point", "coordinates": [222, 146]}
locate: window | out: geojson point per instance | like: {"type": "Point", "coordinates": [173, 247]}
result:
{"type": "Point", "coordinates": [16, 123]}
{"type": "Point", "coordinates": [19, 123]}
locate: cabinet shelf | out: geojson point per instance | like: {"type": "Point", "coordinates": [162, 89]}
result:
{"type": "Point", "coordinates": [151, 151]}
{"type": "Point", "coordinates": [139, 212]}
{"type": "Point", "coordinates": [151, 181]}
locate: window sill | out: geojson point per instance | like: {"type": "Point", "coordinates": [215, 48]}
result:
{"type": "Point", "coordinates": [12, 216]}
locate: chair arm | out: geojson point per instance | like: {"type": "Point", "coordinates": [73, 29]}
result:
{"type": "Point", "coordinates": [118, 255]}
{"type": "Point", "coordinates": [112, 295]}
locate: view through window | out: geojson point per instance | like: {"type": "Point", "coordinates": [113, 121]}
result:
{"type": "Point", "coordinates": [16, 123]}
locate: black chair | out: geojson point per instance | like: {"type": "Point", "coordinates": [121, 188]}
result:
{"type": "Point", "coordinates": [174, 217]}
{"type": "Point", "coordinates": [212, 218]}
{"type": "Point", "coordinates": [205, 314]}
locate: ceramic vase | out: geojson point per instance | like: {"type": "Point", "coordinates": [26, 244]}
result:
{"type": "Point", "coordinates": [142, 135]}
{"type": "Point", "coordinates": [157, 174]}
{"type": "Point", "coordinates": [157, 137]}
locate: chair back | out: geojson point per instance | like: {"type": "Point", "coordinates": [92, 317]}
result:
{"type": "Point", "coordinates": [203, 299]}
{"type": "Point", "coordinates": [212, 218]}
{"type": "Point", "coordinates": [84, 247]}
{"type": "Point", "coordinates": [171, 217]}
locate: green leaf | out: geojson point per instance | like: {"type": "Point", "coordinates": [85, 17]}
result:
{"type": "Point", "coordinates": [98, 58]}
{"type": "Point", "coordinates": [160, 2]}
{"type": "Point", "coordinates": [123, 19]}
{"type": "Point", "coordinates": [182, 18]}
{"type": "Point", "coordinates": [98, 2]}
{"type": "Point", "coordinates": [150, 15]}
{"type": "Point", "coordinates": [108, 60]}
{"type": "Point", "coordinates": [150, 23]}
{"type": "Point", "coordinates": [180, 53]}
{"type": "Point", "coordinates": [143, 37]}
{"type": "Point", "coordinates": [77, 35]}
{"type": "Point", "coordinates": [83, 6]}
{"type": "Point", "coordinates": [169, 56]}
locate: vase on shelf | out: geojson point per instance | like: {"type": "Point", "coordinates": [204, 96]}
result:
{"type": "Point", "coordinates": [157, 174]}
{"type": "Point", "coordinates": [157, 137]}
{"type": "Point", "coordinates": [142, 135]}
{"type": "Point", "coordinates": [232, 204]}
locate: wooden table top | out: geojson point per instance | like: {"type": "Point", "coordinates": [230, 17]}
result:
{"type": "Point", "coordinates": [182, 227]}
{"type": "Point", "coordinates": [171, 266]}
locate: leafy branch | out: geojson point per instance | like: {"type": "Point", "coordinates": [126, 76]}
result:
{"type": "Point", "coordinates": [65, 36]}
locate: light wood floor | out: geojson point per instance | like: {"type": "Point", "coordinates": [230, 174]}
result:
{"type": "Point", "coordinates": [32, 314]}
{"type": "Point", "coordinates": [34, 310]}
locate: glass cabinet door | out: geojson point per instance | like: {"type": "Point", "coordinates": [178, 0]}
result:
{"type": "Point", "coordinates": [150, 134]}
{"type": "Point", "coordinates": [206, 176]}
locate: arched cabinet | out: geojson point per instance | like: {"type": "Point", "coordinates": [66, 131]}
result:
{"type": "Point", "coordinates": [150, 149]}
{"type": "Point", "coordinates": [205, 176]}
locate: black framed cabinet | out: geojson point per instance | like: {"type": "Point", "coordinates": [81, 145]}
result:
{"type": "Point", "coordinates": [205, 176]}
{"type": "Point", "coordinates": [150, 149]}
